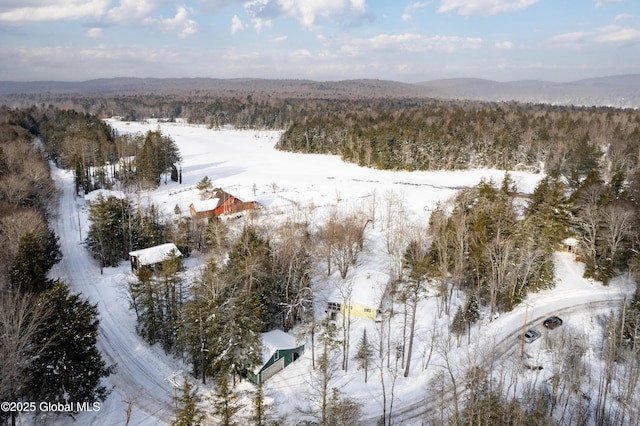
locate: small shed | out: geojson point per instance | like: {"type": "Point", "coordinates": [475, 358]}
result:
{"type": "Point", "coordinates": [361, 295]}
{"type": "Point", "coordinates": [279, 351]}
{"type": "Point", "coordinates": [152, 257]}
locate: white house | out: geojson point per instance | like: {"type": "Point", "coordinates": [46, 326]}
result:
{"type": "Point", "coordinates": [152, 257]}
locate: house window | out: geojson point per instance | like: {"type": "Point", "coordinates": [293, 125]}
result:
{"type": "Point", "coordinates": [367, 310]}
{"type": "Point", "coordinates": [334, 306]}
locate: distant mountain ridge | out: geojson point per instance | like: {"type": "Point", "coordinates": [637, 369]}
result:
{"type": "Point", "coordinates": [621, 91]}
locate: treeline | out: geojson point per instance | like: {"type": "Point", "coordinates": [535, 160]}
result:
{"type": "Point", "coordinates": [454, 135]}
{"type": "Point", "coordinates": [385, 133]}
{"type": "Point", "coordinates": [241, 111]}
{"type": "Point", "coordinates": [98, 156]}
{"type": "Point", "coordinates": [43, 357]}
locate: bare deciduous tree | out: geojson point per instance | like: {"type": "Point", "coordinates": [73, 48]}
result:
{"type": "Point", "coordinates": [618, 220]}
{"type": "Point", "coordinates": [21, 316]}
{"type": "Point", "coordinates": [15, 189]}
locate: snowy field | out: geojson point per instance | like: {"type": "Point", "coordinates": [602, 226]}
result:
{"type": "Point", "coordinates": [246, 164]}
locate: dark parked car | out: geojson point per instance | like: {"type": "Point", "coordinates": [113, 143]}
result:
{"type": "Point", "coordinates": [531, 335]}
{"type": "Point", "coordinates": [552, 322]}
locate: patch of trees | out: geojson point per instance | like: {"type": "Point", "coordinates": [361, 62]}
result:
{"type": "Point", "coordinates": [117, 228]}
{"type": "Point", "coordinates": [215, 322]}
{"type": "Point", "coordinates": [26, 191]}
{"type": "Point", "coordinates": [47, 335]}
{"type": "Point", "coordinates": [98, 156]}
{"type": "Point", "coordinates": [438, 135]}
{"type": "Point", "coordinates": [497, 249]}
{"type": "Point", "coordinates": [485, 244]}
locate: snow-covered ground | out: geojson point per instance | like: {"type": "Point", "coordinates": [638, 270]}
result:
{"type": "Point", "coordinates": [246, 164]}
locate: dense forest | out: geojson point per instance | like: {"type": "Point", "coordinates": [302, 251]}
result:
{"type": "Point", "coordinates": [400, 133]}
{"type": "Point", "coordinates": [433, 136]}
{"type": "Point", "coordinates": [490, 243]}
{"type": "Point", "coordinates": [41, 358]}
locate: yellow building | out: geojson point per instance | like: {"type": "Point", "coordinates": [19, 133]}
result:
{"type": "Point", "coordinates": [360, 296]}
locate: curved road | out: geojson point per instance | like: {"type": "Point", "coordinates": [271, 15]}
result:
{"type": "Point", "coordinates": [508, 345]}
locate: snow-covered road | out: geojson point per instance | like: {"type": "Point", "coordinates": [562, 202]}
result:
{"type": "Point", "coordinates": [141, 372]}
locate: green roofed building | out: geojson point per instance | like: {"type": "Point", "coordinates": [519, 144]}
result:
{"type": "Point", "coordinates": [279, 350]}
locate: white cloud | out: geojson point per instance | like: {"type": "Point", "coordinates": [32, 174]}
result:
{"type": "Point", "coordinates": [407, 14]}
{"type": "Point", "coordinates": [505, 45]}
{"type": "Point", "coordinates": [92, 62]}
{"type": "Point", "coordinates": [618, 35]}
{"type": "Point", "coordinates": [301, 54]}
{"type": "Point", "coordinates": [189, 28]}
{"type": "Point", "coordinates": [56, 10]}
{"type": "Point", "coordinates": [181, 23]}
{"type": "Point", "coordinates": [484, 7]}
{"type": "Point", "coordinates": [612, 34]}
{"type": "Point", "coordinates": [94, 33]}
{"type": "Point", "coordinates": [262, 12]}
{"type": "Point", "coordinates": [234, 56]}
{"type": "Point", "coordinates": [280, 39]}
{"type": "Point", "coordinates": [601, 3]}
{"type": "Point", "coordinates": [410, 43]}
{"type": "Point", "coordinates": [572, 39]}
{"type": "Point", "coordinates": [324, 40]}
{"type": "Point", "coordinates": [130, 11]}
{"type": "Point", "coordinates": [236, 24]}
{"type": "Point", "coordinates": [623, 17]}
{"type": "Point", "coordinates": [308, 13]}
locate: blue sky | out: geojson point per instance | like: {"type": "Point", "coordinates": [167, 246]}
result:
{"type": "Point", "coordinates": [410, 41]}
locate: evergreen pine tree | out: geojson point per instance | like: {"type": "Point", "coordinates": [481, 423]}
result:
{"type": "Point", "coordinates": [111, 231]}
{"type": "Point", "coordinates": [204, 186]}
{"type": "Point", "coordinates": [159, 155]}
{"type": "Point", "coordinates": [260, 408]}
{"type": "Point", "coordinates": [32, 263]}
{"type": "Point", "coordinates": [549, 211]}
{"type": "Point", "coordinates": [147, 164]}
{"type": "Point", "coordinates": [188, 412]}
{"type": "Point", "coordinates": [146, 300]}
{"type": "Point", "coordinates": [225, 404]}
{"type": "Point", "coordinates": [458, 324]}
{"type": "Point", "coordinates": [364, 354]}
{"type": "Point", "coordinates": [70, 367]}
{"type": "Point", "coordinates": [631, 326]}
{"type": "Point", "coordinates": [171, 298]}
{"type": "Point", "coordinates": [174, 173]}
{"type": "Point", "coordinates": [342, 410]}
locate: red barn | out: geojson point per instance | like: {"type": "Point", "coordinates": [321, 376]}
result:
{"type": "Point", "coordinates": [220, 202]}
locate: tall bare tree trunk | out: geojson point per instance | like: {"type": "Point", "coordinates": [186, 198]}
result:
{"type": "Point", "coordinates": [412, 332]}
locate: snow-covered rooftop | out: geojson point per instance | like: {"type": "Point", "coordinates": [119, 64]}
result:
{"type": "Point", "coordinates": [367, 289]}
{"type": "Point", "coordinates": [93, 195]}
{"type": "Point", "coordinates": [274, 340]}
{"type": "Point", "coordinates": [156, 254]}
{"type": "Point", "coordinates": [206, 205]}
